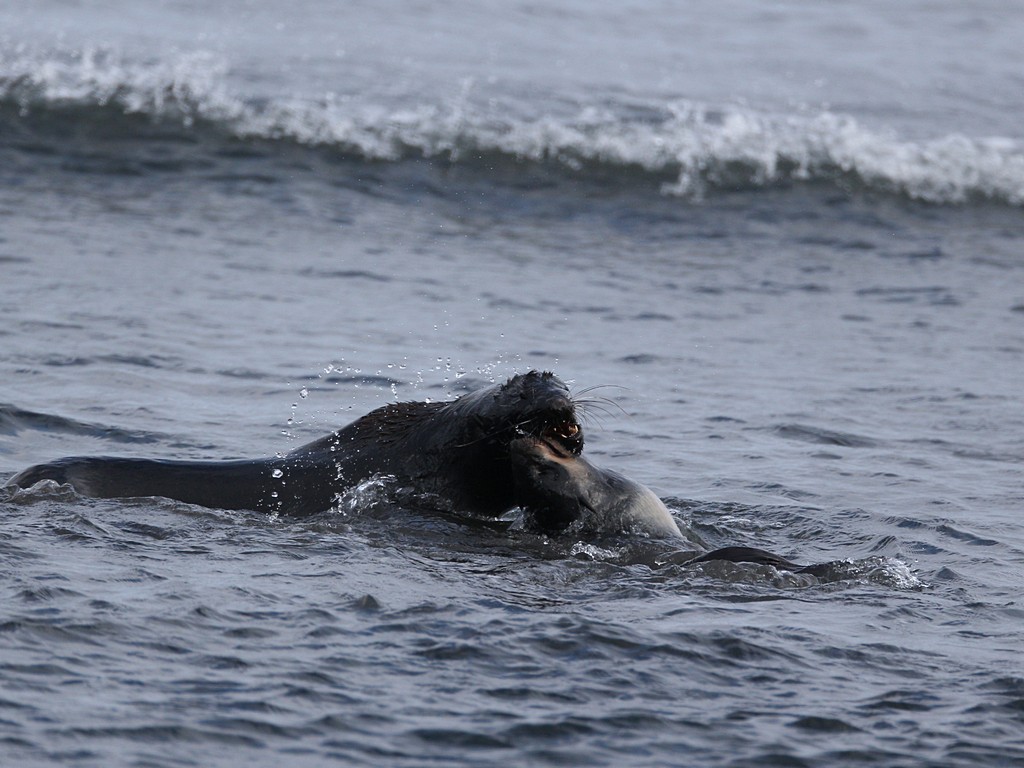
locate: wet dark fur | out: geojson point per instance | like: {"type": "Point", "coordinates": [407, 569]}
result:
{"type": "Point", "coordinates": [457, 451]}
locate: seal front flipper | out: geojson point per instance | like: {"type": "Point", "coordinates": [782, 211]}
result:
{"type": "Point", "coordinates": [747, 555]}
{"type": "Point", "coordinates": [761, 557]}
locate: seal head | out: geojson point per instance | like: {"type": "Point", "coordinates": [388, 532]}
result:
{"type": "Point", "coordinates": [561, 490]}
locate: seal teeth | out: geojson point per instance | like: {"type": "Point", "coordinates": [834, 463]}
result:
{"type": "Point", "coordinates": [565, 435]}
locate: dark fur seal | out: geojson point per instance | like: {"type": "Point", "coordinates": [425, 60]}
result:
{"type": "Point", "coordinates": [458, 452]}
{"type": "Point", "coordinates": [517, 444]}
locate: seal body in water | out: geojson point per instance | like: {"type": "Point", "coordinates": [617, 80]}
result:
{"type": "Point", "coordinates": [481, 454]}
{"type": "Point", "coordinates": [517, 444]}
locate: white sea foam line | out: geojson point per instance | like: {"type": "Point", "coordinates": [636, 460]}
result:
{"type": "Point", "coordinates": [697, 143]}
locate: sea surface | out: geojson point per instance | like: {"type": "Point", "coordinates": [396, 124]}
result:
{"type": "Point", "coordinates": [785, 240]}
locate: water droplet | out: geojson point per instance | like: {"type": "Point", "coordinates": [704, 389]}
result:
{"type": "Point", "coordinates": [303, 393]}
{"type": "Point", "coordinates": [277, 473]}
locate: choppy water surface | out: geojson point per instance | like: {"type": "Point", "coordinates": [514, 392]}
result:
{"type": "Point", "coordinates": [787, 247]}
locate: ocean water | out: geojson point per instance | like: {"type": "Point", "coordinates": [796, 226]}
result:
{"type": "Point", "coordinates": [786, 240]}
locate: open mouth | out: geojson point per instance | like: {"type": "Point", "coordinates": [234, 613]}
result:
{"type": "Point", "coordinates": [565, 437]}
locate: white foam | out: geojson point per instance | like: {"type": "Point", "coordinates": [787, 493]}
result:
{"type": "Point", "coordinates": [187, 86]}
{"type": "Point", "coordinates": [691, 147]}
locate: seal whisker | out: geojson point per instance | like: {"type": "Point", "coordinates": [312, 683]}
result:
{"type": "Point", "coordinates": [602, 404]}
{"type": "Point", "coordinates": [588, 390]}
{"type": "Point", "coordinates": [591, 419]}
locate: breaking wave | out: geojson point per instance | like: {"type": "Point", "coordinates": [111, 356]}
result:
{"type": "Point", "coordinates": [688, 149]}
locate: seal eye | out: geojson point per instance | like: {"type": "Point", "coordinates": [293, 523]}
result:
{"type": "Point", "coordinates": [567, 434]}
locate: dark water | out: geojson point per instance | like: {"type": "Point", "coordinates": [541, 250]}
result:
{"type": "Point", "coordinates": [786, 241]}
